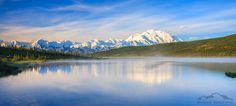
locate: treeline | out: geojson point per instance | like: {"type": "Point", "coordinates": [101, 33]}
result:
{"type": "Point", "coordinates": [22, 54]}
{"type": "Point", "coordinates": [25, 58]}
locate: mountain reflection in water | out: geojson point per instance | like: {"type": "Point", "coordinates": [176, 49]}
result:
{"type": "Point", "coordinates": [139, 72]}
{"type": "Point", "coordinates": [142, 81]}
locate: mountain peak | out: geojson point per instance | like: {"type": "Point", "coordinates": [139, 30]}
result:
{"type": "Point", "coordinates": [149, 37]}
{"type": "Point", "coordinates": [41, 39]}
{"type": "Point", "coordinates": [151, 30]}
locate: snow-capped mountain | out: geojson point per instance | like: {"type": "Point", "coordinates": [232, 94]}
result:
{"type": "Point", "coordinates": [15, 43]}
{"type": "Point", "coordinates": [150, 37]}
{"type": "Point", "coordinates": [53, 45]}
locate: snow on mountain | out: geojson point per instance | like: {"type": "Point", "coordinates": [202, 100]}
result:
{"type": "Point", "coordinates": [63, 46]}
{"type": "Point", "coordinates": [97, 45]}
{"type": "Point", "coordinates": [2, 43]}
{"type": "Point", "coordinates": [20, 44]}
{"type": "Point", "coordinates": [150, 37]}
{"type": "Point", "coordinates": [15, 43]}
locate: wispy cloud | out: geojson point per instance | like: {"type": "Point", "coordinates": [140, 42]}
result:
{"type": "Point", "coordinates": [78, 6]}
{"type": "Point", "coordinates": [111, 27]}
{"type": "Point", "coordinates": [192, 23]}
{"type": "Point", "coordinates": [82, 7]}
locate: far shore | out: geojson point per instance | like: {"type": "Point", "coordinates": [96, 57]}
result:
{"type": "Point", "coordinates": [13, 68]}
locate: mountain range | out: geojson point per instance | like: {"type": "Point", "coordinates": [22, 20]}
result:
{"type": "Point", "coordinates": [214, 47]}
{"type": "Point", "coordinates": [149, 37]}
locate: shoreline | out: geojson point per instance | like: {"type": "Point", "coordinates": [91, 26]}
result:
{"type": "Point", "coordinates": [8, 68]}
{"type": "Point", "coordinates": [13, 68]}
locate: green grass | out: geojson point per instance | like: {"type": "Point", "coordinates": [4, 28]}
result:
{"type": "Point", "coordinates": [9, 69]}
{"type": "Point", "coordinates": [223, 46]}
{"type": "Point", "coordinates": [12, 60]}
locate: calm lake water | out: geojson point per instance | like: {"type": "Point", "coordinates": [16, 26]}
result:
{"type": "Point", "coordinates": [152, 81]}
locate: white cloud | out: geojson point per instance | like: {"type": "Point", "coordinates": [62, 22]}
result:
{"type": "Point", "coordinates": [81, 7]}
{"type": "Point", "coordinates": [124, 24]}
{"type": "Point", "coordinates": [78, 6]}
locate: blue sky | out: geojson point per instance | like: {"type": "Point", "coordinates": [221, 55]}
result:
{"type": "Point", "coordinates": [83, 20]}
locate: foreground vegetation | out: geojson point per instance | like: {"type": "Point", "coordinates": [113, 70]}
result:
{"type": "Point", "coordinates": [12, 60]}
{"type": "Point", "coordinates": [230, 74]}
{"type": "Point", "coordinates": [9, 68]}
{"type": "Point", "coordinates": [224, 46]}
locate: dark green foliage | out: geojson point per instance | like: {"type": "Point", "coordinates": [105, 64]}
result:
{"type": "Point", "coordinates": [230, 74]}
{"type": "Point", "coordinates": [21, 54]}
{"type": "Point", "coordinates": [224, 46]}
{"type": "Point", "coordinates": [7, 69]}
{"type": "Point", "coordinates": [10, 58]}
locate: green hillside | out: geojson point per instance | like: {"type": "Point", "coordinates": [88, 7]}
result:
{"type": "Point", "coordinates": [223, 46]}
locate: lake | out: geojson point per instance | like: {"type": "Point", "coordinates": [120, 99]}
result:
{"type": "Point", "coordinates": [150, 81]}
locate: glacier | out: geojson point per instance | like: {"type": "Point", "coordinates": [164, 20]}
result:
{"type": "Point", "coordinates": [149, 37]}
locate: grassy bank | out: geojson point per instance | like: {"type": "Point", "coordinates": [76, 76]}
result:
{"type": "Point", "coordinates": [217, 47]}
{"type": "Point", "coordinates": [12, 60]}
{"type": "Point", "coordinates": [10, 68]}
{"type": "Point", "coordinates": [13, 68]}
